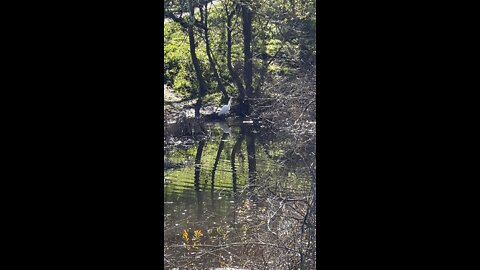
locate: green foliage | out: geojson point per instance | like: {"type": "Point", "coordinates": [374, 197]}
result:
{"type": "Point", "coordinates": [283, 30]}
{"type": "Point", "coordinates": [179, 72]}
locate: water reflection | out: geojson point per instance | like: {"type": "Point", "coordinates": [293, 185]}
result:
{"type": "Point", "coordinates": [215, 186]}
{"type": "Point", "coordinates": [217, 158]}
{"type": "Point", "coordinates": [235, 149]}
{"type": "Point", "coordinates": [198, 164]}
{"type": "Point", "coordinates": [224, 126]}
{"type": "Point", "coordinates": [252, 161]}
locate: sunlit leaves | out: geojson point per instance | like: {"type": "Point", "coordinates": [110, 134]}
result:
{"type": "Point", "coordinates": [195, 240]}
{"type": "Point", "coordinates": [185, 235]}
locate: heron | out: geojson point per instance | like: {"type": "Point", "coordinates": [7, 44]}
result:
{"type": "Point", "coordinates": [226, 108]}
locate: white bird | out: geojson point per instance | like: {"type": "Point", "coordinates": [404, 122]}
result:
{"type": "Point", "coordinates": [226, 108]}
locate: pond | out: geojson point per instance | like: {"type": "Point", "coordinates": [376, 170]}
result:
{"type": "Point", "coordinates": [237, 196]}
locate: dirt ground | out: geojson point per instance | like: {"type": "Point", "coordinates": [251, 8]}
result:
{"type": "Point", "coordinates": [169, 95]}
{"type": "Point", "coordinates": [174, 106]}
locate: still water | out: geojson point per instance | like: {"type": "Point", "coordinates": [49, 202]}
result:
{"type": "Point", "coordinates": [212, 190]}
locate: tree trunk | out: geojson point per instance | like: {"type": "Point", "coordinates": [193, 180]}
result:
{"type": "Point", "coordinates": [247, 56]}
{"type": "Point", "coordinates": [196, 64]}
{"type": "Point", "coordinates": [213, 67]}
{"type": "Point", "coordinates": [247, 40]}
{"type": "Point", "coordinates": [233, 74]}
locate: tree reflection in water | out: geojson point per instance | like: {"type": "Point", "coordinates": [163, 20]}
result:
{"type": "Point", "coordinates": [242, 205]}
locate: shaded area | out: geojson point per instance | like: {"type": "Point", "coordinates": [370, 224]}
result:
{"type": "Point", "coordinates": [233, 203]}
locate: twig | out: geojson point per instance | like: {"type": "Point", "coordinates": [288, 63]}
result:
{"type": "Point", "coordinates": [233, 245]}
